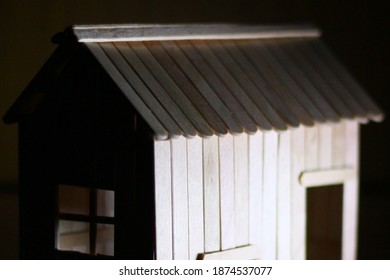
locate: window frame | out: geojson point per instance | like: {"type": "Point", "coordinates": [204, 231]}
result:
{"type": "Point", "coordinates": [91, 218]}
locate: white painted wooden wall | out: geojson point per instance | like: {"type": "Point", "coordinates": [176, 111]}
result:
{"type": "Point", "coordinates": [219, 193]}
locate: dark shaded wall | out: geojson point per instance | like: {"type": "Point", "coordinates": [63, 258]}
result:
{"type": "Point", "coordinates": [356, 31]}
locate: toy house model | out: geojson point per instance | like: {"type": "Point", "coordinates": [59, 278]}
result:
{"type": "Point", "coordinates": [190, 142]}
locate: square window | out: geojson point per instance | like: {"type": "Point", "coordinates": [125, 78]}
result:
{"type": "Point", "coordinates": [73, 236]}
{"type": "Point", "coordinates": [105, 239]}
{"type": "Point", "coordinates": [105, 203]}
{"type": "Point", "coordinates": [73, 200]}
{"type": "Point", "coordinates": [85, 220]}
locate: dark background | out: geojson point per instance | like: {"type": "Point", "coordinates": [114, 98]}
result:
{"type": "Point", "coordinates": [356, 31]}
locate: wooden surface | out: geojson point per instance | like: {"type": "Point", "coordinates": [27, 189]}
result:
{"type": "Point", "coordinates": [152, 32]}
{"type": "Point", "coordinates": [114, 73]}
{"type": "Point", "coordinates": [298, 196]}
{"type": "Point", "coordinates": [284, 197]}
{"type": "Point", "coordinates": [250, 189]}
{"type": "Point", "coordinates": [179, 198]}
{"type": "Point", "coordinates": [373, 111]}
{"type": "Point", "coordinates": [163, 200]}
{"type": "Point", "coordinates": [145, 82]}
{"type": "Point", "coordinates": [202, 86]}
{"type": "Point", "coordinates": [216, 85]}
{"type": "Point", "coordinates": [269, 213]}
{"type": "Point", "coordinates": [253, 83]}
{"type": "Point", "coordinates": [351, 192]}
{"type": "Point", "coordinates": [231, 82]}
{"type": "Point", "coordinates": [212, 229]}
{"type": "Point", "coordinates": [255, 188]}
{"type": "Point", "coordinates": [195, 197]}
{"type": "Point", "coordinates": [324, 146]}
{"type": "Point", "coordinates": [189, 90]}
{"type": "Point", "coordinates": [227, 186]}
{"type": "Point", "coordinates": [297, 73]}
{"type": "Point", "coordinates": [279, 81]}
{"type": "Point", "coordinates": [241, 189]}
{"type": "Point", "coordinates": [326, 177]}
{"type": "Point", "coordinates": [250, 252]}
{"type": "Point", "coordinates": [171, 88]}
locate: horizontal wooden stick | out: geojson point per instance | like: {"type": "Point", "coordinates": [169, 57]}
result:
{"type": "Point", "coordinates": [145, 32]}
{"type": "Point", "coordinates": [320, 178]}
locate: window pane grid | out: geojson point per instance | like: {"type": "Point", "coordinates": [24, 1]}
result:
{"type": "Point", "coordinates": [93, 208]}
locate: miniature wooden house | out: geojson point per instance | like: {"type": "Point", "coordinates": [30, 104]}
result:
{"type": "Point", "coordinates": [190, 141]}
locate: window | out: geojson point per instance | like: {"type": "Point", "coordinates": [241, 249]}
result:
{"type": "Point", "coordinates": [85, 220]}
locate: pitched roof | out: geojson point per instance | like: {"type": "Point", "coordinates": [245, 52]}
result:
{"type": "Point", "coordinates": [217, 79]}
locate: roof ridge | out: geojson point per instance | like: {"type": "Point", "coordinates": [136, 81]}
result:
{"type": "Point", "coordinates": [161, 32]}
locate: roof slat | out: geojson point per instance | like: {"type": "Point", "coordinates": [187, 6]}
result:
{"type": "Point", "coordinates": [267, 101]}
{"type": "Point", "coordinates": [160, 132]}
{"type": "Point", "coordinates": [159, 93]}
{"type": "Point", "coordinates": [254, 51]}
{"type": "Point", "coordinates": [172, 89]}
{"type": "Point", "coordinates": [217, 85]}
{"type": "Point", "coordinates": [299, 76]}
{"type": "Point", "coordinates": [295, 89]}
{"type": "Point", "coordinates": [212, 79]}
{"type": "Point", "coordinates": [374, 112]}
{"type": "Point", "coordinates": [227, 78]}
{"type": "Point", "coordinates": [332, 79]}
{"type": "Point", "coordinates": [203, 87]}
{"type": "Point", "coordinates": [318, 81]}
{"type": "Point", "coordinates": [188, 88]}
{"type": "Point", "coordinates": [140, 89]}
{"type": "Point", "coordinates": [250, 88]}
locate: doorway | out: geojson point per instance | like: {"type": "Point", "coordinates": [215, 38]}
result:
{"type": "Point", "coordinates": [324, 222]}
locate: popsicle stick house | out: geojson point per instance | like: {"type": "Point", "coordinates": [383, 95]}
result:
{"type": "Point", "coordinates": [190, 142]}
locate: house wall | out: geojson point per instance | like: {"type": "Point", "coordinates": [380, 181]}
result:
{"type": "Point", "coordinates": [220, 193]}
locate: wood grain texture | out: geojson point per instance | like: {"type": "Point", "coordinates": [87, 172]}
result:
{"type": "Point", "coordinates": [152, 32]}
{"type": "Point", "coordinates": [187, 87]}
{"type": "Point", "coordinates": [279, 67]}
{"type": "Point", "coordinates": [211, 194]}
{"type": "Point", "coordinates": [141, 89]}
{"type": "Point", "coordinates": [351, 192]}
{"type": "Point", "coordinates": [298, 196]}
{"type": "Point", "coordinates": [269, 217]}
{"type": "Point", "coordinates": [302, 80]}
{"type": "Point", "coordinates": [338, 144]}
{"type": "Point", "coordinates": [195, 197]}
{"type": "Point", "coordinates": [229, 80]}
{"type": "Point", "coordinates": [179, 198]}
{"type": "Point", "coordinates": [327, 177]}
{"type": "Point", "coordinates": [163, 200]}
{"type": "Point", "coordinates": [241, 189]}
{"type": "Point", "coordinates": [284, 197]}
{"type": "Point", "coordinates": [202, 86]}
{"type": "Point", "coordinates": [333, 80]}
{"type": "Point", "coordinates": [215, 84]}
{"type": "Point", "coordinates": [172, 88]}
{"type": "Point", "coordinates": [314, 74]}
{"type": "Point", "coordinates": [324, 146]}
{"type": "Point", "coordinates": [252, 82]}
{"type": "Point", "coordinates": [227, 192]}
{"type": "Point", "coordinates": [311, 148]}
{"type": "Point", "coordinates": [255, 188]}
{"type": "Point", "coordinates": [159, 130]}
{"type": "Point", "coordinates": [143, 73]}
{"type": "Point", "coordinates": [374, 112]}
